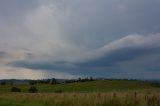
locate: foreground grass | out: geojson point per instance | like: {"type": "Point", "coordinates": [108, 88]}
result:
{"type": "Point", "coordinates": [93, 93]}
{"type": "Point", "coordinates": [80, 99]}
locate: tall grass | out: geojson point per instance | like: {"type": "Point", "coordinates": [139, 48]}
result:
{"type": "Point", "coordinates": [80, 99]}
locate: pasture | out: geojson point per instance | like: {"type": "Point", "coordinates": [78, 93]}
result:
{"type": "Point", "coordinates": [91, 93]}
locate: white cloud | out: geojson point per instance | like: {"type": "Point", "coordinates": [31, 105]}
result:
{"type": "Point", "coordinates": [132, 41]}
{"type": "Point", "coordinates": [24, 73]}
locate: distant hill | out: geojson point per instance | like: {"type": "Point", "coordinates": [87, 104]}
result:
{"type": "Point", "coordinates": [98, 86]}
{"type": "Point", "coordinates": [88, 86]}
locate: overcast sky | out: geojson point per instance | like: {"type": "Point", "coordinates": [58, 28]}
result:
{"type": "Point", "coordinates": [79, 38]}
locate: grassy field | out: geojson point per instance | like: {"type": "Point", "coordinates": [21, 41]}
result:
{"type": "Point", "coordinates": [80, 99]}
{"type": "Point", "coordinates": [90, 86]}
{"type": "Point", "coordinates": [92, 93]}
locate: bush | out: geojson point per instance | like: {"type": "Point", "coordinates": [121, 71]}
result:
{"type": "Point", "coordinates": [58, 91]}
{"type": "Point", "coordinates": [3, 83]}
{"type": "Point", "coordinates": [33, 89]}
{"type": "Point", "coordinates": [15, 89]}
{"type": "Point", "coordinates": [32, 82]}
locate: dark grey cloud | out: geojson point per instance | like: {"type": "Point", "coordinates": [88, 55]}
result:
{"type": "Point", "coordinates": [12, 11]}
{"type": "Point", "coordinates": [3, 54]}
{"type": "Point", "coordinates": [105, 21]}
{"type": "Point", "coordinates": [81, 37]}
{"type": "Point", "coordinates": [121, 55]}
{"type": "Point", "coordinates": [125, 50]}
{"type": "Point", "coordinates": [9, 7]}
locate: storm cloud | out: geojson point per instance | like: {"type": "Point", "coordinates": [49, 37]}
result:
{"type": "Point", "coordinates": [107, 38]}
{"type": "Point", "coordinates": [128, 49]}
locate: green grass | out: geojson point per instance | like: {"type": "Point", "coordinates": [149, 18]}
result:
{"type": "Point", "coordinates": [92, 93]}
{"type": "Point", "coordinates": [91, 86]}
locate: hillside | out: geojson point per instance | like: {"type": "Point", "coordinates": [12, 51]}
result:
{"type": "Point", "coordinates": [89, 86]}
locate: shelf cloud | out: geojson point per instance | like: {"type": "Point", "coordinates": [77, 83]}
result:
{"type": "Point", "coordinates": [115, 39]}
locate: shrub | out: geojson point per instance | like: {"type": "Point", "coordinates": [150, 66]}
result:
{"type": "Point", "coordinates": [32, 82]}
{"type": "Point", "coordinates": [15, 89]}
{"type": "Point", "coordinates": [58, 91]}
{"type": "Point", "coordinates": [33, 89]}
{"type": "Point", "coordinates": [3, 83]}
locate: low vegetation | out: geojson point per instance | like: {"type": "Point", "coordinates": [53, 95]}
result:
{"type": "Point", "coordinates": [80, 99]}
{"type": "Point", "coordinates": [15, 89]}
{"type": "Point", "coordinates": [81, 93]}
{"type": "Point", "coordinates": [33, 89]}
{"type": "Point", "coordinates": [85, 87]}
